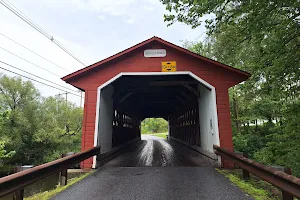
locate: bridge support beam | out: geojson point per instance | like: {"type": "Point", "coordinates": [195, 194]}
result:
{"type": "Point", "coordinates": [106, 113]}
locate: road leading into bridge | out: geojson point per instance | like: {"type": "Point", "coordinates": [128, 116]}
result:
{"type": "Point", "coordinates": [158, 153]}
{"type": "Point", "coordinates": [155, 169]}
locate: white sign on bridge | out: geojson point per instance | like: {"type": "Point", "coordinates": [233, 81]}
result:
{"type": "Point", "coordinates": [149, 53]}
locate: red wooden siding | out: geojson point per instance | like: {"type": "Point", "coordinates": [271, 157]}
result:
{"type": "Point", "coordinates": [220, 78]}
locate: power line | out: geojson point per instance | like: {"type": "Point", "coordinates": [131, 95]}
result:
{"type": "Point", "coordinates": [30, 62]}
{"type": "Point", "coordinates": [38, 81]}
{"type": "Point", "coordinates": [20, 14]}
{"type": "Point", "coordinates": [33, 52]}
{"type": "Point", "coordinates": [36, 76]}
{"type": "Point", "coordinates": [26, 19]}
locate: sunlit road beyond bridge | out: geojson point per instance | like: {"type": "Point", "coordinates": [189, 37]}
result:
{"type": "Point", "coordinates": [155, 169]}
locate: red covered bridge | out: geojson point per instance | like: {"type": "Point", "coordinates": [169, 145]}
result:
{"type": "Point", "coordinates": [156, 78]}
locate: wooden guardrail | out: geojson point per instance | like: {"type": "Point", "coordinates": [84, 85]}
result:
{"type": "Point", "coordinates": [287, 183]}
{"type": "Point", "coordinates": [16, 182]}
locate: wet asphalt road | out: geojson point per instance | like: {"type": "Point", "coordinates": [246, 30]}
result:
{"type": "Point", "coordinates": [157, 153]}
{"type": "Point", "coordinates": [150, 137]}
{"type": "Point", "coordinates": [155, 169]}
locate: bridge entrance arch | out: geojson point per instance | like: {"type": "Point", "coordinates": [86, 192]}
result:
{"type": "Point", "coordinates": [129, 98]}
{"type": "Point", "coordinates": [135, 84]}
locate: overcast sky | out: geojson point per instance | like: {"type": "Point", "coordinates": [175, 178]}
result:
{"type": "Point", "coordinates": [92, 29]}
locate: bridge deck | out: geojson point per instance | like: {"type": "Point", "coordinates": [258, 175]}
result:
{"type": "Point", "coordinates": [177, 172]}
{"type": "Point", "coordinates": [159, 153]}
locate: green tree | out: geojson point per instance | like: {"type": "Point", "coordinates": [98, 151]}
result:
{"type": "Point", "coordinates": [201, 48]}
{"type": "Point", "coordinates": [3, 153]}
{"type": "Point", "coordinates": [154, 125]}
{"type": "Point", "coordinates": [33, 129]}
{"type": "Point", "coordinates": [59, 128]}
{"type": "Point", "coordinates": [20, 101]}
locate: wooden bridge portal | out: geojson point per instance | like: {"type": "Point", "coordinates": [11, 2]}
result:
{"type": "Point", "coordinates": [156, 78]}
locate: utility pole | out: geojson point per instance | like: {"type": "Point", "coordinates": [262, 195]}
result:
{"type": "Point", "coordinates": [66, 120]}
{"type": "Point", "coordinates": [58, 103]}
{"type": "Point", "coordinates": [81, 99]}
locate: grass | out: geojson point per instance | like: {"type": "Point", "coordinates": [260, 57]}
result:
{"type": "Point", "coordinates": [162, 135]}
{"type": "Point", "coordinates": [51, 193]}
{"type": "Point", "coordinates": [256, 188]}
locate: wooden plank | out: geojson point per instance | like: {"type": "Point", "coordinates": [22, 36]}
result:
{"type": "Point", "coordinates": [125, 97]}
{"type": "Point", "coordinates": [195, 92]}
{"type": "Point", "coordinates": [171, 83]}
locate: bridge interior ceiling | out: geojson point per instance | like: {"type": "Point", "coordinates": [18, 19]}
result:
{"type": "Point", "coordinates": [165, 96]}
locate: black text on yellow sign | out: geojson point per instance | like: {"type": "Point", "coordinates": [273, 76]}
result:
{"type": "Point", "coordinates": [169, 66]}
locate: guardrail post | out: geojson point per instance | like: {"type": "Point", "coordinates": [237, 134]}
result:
{"type": "Point", "coordinates": [63, 178]}
{"type": "Point", "coordinates": [246, 174]}
{"type": "Point", "coordinates": [286, 195]}
{"type": "Point", "coordinates": [18, 195]}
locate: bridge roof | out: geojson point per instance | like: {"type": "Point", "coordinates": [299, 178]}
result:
{"type": "Point", "coordinates": [83, 71]}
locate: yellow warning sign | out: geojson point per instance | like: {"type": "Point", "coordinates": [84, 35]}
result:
{"type": "Point", "coordinates": [169, 66]}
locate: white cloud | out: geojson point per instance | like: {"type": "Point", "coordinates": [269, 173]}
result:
{"type": "Point", "coordinates": [130, 21]}
{"type": "Point", "coordinates": [111, 7]}
{"type": "Point", "coordinates": [101, 17]}
{"type": "Point", "coordinates": [154, 2]}
{"type": "Point", "coordinates": [148, 7]}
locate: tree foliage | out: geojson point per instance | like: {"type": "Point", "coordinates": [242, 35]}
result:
{"type": "Point", "coordinates": [34, 129]}
{"type": "Point", "coordinates": [263, 38]}
{"type": "Point", "coordinates": [154, 125]}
